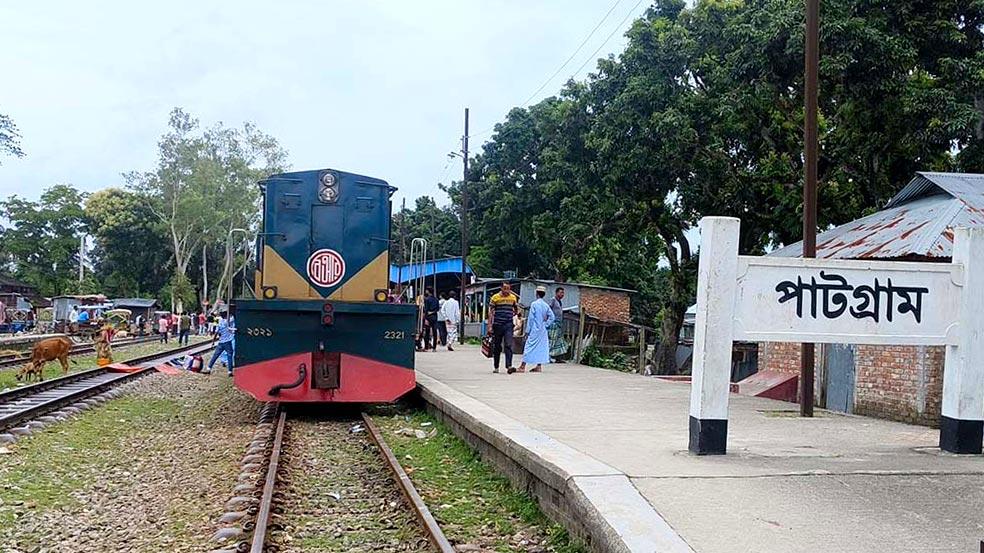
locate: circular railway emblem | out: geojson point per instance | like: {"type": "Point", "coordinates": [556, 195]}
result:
{"type": "Point", "coordinates": [326, 268]}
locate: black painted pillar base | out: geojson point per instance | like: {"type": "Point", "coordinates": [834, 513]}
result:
{"type": "Point", "coordinates": [956, 436]}
{"type": "Point", "coordinates": [708, 436]}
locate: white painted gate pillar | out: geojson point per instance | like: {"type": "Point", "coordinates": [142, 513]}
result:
{"type": "Point", "coordinates": [713, 332]}
{"type": "Point", "coordinates": [962, 421]}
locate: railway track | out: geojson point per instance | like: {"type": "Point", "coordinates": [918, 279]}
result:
{"type": "Point", "coordinates": [26, 403]}
{"type": "Point", "coordinates": [264, 503]}
{"type": "Point", "coordinates": [77, 349]}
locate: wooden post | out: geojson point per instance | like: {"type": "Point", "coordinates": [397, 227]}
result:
{"type": "Point", "coordinates": [642, 349]}
{"type": "Point", "coordinates": [580, 333]}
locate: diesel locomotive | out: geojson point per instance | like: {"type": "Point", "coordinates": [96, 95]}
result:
{"type": "Point", "coordinates": [320, 328]}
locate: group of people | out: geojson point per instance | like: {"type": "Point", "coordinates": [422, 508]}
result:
{"type": "Point", "coordinates": [183, 325]}
{"type": "Point", "coordinates": [440, 321]}
{"type": "Point", "coordinates": [542, 327]}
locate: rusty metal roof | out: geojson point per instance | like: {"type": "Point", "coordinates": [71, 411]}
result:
{"type": "Point", "coordinates": [917, 222]}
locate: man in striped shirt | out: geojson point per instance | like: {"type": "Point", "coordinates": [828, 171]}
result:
{"type": "Point", "coordinates": [502, 307]}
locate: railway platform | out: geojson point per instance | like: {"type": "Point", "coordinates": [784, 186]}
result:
{"type": "Point", "coordinates": [606, 454]}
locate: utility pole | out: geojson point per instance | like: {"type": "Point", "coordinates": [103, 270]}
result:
{"type": "Point", "coordinates": [403, 247]}
{"type": "Point", "coordinates": [810, 147]}
{"type": "Point", "coordinates": [464, 232]}
{"type": "Point", "coordinates": [81, 261]}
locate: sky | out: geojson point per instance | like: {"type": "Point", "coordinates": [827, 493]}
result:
{"type": "Point", "coordinates": [372, 87]}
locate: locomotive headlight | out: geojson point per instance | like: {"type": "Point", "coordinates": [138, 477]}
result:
{"type": "Point", "coordinates": [328, 192]}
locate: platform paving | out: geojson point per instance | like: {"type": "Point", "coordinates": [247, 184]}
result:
{"type": "Point", "coordinates": [832, 483]}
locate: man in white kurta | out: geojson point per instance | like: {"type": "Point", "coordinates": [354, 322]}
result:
{"type": "Point", "coordinates": [452, 316]}
{"type": "Point", "coordinates": [537, 349]}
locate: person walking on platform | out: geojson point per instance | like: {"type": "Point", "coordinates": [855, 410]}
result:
{"type": "Point", "coordinates": [452, 317]}
{"type": "Point", "coordinates": [184, 329]}
{"type": "Point", "coordinates": [431, 307]}
{"type": "Point", "coordinates": [537, 349]}
{"type": "Point", "coordinates": [558, 346]}
{"type": "Point", "coordinates": [502, 306]}
{"type": "Point", "coordinates": [226, 332]}
{"type": "Point", "coordinates": [442, 320]}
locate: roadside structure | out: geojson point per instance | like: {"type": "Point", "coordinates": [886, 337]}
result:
{"type": "Point", "coordinates": [897, 382]}
{"type": "Point", "coordinates": [603, 303]}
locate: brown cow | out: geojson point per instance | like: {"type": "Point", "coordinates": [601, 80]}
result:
{"type": "Point", "coordinates": [43, 351]}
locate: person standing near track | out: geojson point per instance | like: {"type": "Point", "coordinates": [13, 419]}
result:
{"type": "Point", "coordinates": [184, 329]}
{"type": "Point", "coordinates": [202, 323]}
{"type": "Point", "coordinates": [537, 349]}
{"type": "Point", "coordinates": [502, 306]}
{"type": "Point", "coordinates": [226, 332]}
{"type": "Point", "coordinates": [162, 327]}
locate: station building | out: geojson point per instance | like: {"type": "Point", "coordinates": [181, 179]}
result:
{"type": "Point", "coordinates": [901, 383]}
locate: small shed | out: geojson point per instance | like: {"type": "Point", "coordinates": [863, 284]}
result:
{"type": "Point", "coordinates": [896, 382]}
{"type": "Point", "coordinates": [605, 303]}
{"type": "Point", "coordinates": [9, 285]}
{"type": "Point", "coordinates": [137, 306]}
{"type": "Point", "coordinates": [62, 305]}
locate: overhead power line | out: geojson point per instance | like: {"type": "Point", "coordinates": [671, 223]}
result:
{"type": "Point", "coordinates": [586, 61]}
{"type": "Point", "coordinates": [571, 57]}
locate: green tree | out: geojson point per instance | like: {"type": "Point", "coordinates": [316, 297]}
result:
{"type": "Point", "coordinates": [42, 241]}
{"type": "Point", "coordinates": [204, 186]}
{"type": "Point", "coordinates": [440, 226]}
{"type": "Point", "coordinates": [131, 249]}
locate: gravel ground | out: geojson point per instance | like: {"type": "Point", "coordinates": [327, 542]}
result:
{"type": "Point", "coordinates": [340, 495]}
{"type": "Point", "coordinates": [148, 471]}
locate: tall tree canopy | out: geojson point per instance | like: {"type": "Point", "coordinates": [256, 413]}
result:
{"type": "Point", "coordinates": [42, 242]}
{"type": "Point", "coordinates": [131, 250]}
{"type": "Point", "coordinates": [702, 115]}
{"type": "Point", "coordinates": [204, 186]}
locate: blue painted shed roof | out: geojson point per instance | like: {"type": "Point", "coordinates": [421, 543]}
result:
{"type": "Point", "coordinates": [447, 265]}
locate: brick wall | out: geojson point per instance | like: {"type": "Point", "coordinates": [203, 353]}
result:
{"type": "Point", "coordinates": [606, 304]}
{"type": "Point", "coordinates": [779, 356]}
{"type": "Point", "coordinates": [903, 383]}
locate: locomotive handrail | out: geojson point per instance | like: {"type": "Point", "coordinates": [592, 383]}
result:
{"type": "Point", "coordinates": [301, 375]}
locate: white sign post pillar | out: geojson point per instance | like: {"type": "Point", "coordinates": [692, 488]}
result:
{"type": "Point", "coordinates": [962, 421]}
{"type": "Point", "coordinates": [713, 331]}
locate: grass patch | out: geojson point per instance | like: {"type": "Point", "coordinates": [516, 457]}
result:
{"type": "Point", "coordinates": [70, 455]}
{"type": "Point", "coordinates": [470, 500]}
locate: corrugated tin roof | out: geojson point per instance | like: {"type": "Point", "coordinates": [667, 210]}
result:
{"type": "Point", "coordinates": [135, 302]}
{"type": "Point", "coordinates": [917, 222]}
{"type": "Point", "coordinates": [406, 273]}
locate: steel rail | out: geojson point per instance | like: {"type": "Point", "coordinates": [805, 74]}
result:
{"type": "Point", "coordinates": [434, 532]}
{"type": "Point", "coordinates": [31, 389]}
{"type": "Point", "coordinates": [59, 392]}
{"type": "Point", "coordinates": [266, 500]}
{"type": "Point", "coordinates": [77, 349]}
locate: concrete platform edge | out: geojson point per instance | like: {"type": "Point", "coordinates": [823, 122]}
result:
{"type": "Point", "coordinates": [592, 500]}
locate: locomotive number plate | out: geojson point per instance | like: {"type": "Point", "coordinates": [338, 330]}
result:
{"type": "Point", "coordinates": [258, 331]}
{"type": "Point", "coordinates": [394, 335]}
